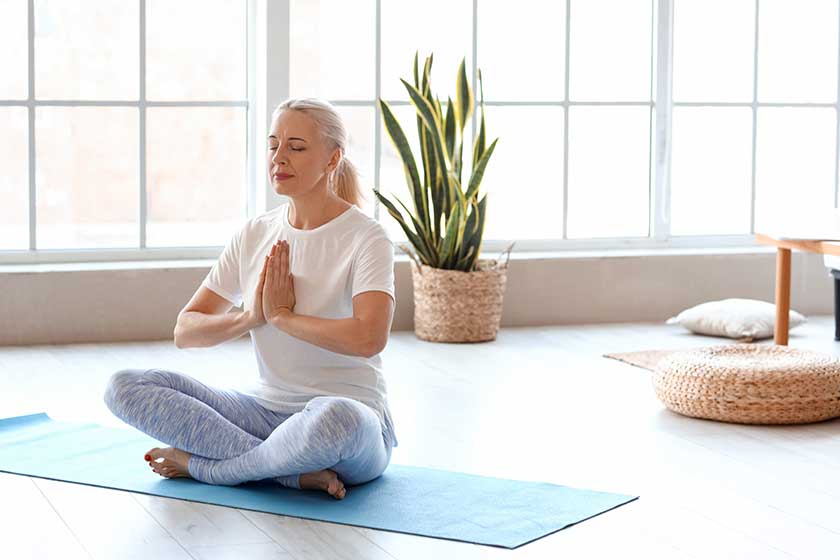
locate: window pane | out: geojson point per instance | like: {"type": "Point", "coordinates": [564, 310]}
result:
{"type": "Point", "coordinates": [795, 158]}
{"type": "Point", "coordinates": [196, 50]}
{"type": "Point", "coordinates": [14, 180]}
{"type": "Point", "coordinates": [541, 40]}
{"type": "Point", "coordinates": [797, 51]}
{"type": "Point", "coordinates": [609, 171]}
{"type": "Point", "coordinates": [718, 70]}
{"type": "Point", "coordinates": [392, 179]}
{"type": "Point", "coordinates": [196, 175]}
{"type": "Point", "coordinates": [87, 181]}
{"type": "Point", "coordinates": [87, 49]}
{"type": "Point", "coordinates": [436, 26]}
{"type": "Point", "coordinates": [610, 50]}
{"type": "Point", "coordinates": [13, 50]}
{"type": "Point", "coordinates": [360, 128]}
{"type": "Point", "coordinates": [323, 62]}
{"type": "Point", "coordinates": [711, 170]}
{"type": "Point", "coordinates": [524, 177]}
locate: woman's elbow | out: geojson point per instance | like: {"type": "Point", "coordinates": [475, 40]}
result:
{"type": "Point", "coordinates": [178, 338]}
{"type": "Point", "coordinates": [374, 345]}
{"type": "Point", "coordinates": [179, 335]}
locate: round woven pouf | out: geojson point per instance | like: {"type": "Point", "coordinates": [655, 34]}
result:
{"type": "Point", "coordinates": [750, 384]}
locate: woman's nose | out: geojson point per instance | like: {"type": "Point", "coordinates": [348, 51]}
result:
{"type": "Point", "coordinates": [278, 157]}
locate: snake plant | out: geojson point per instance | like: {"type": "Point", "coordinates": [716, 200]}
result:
{"type": "Point", "coordinates": [447, 222]}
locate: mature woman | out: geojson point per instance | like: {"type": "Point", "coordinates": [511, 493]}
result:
{"type": "Point", "coordinates": [317, 282]}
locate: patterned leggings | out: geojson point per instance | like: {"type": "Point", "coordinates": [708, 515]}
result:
{"type": "Point", "coordinates": [234, 439]}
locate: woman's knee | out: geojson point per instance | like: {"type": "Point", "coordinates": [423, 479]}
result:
{"type": "Point", "coordinates": [121, 382]}
{"type": "Point", "coordinates": [117, 383]}
{"type": "Point", "coordinates": [365, 468]}
{"type": "Point", "coordinates": [343, 417]}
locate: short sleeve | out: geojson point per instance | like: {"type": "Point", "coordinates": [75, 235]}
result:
{"type": "Point", "coordinates": [223, 277]}
{"type": "Point", "coordinates": [373, 267]}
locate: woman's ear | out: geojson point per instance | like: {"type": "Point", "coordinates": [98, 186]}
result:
{"type": "Point", "coordinates": [336, 157]}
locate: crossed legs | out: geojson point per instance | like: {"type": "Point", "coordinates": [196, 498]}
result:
{"type": "Point", "coordinates": [232, 439]}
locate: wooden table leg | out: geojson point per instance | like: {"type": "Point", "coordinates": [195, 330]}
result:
{"type": "Point", "coordinates": [782, 296]}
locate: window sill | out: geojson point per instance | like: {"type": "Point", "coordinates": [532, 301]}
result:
{"type": "Point", "coordinates": [111, 265]}
{"type": "Point", "coordinates": [619, 253]}
{"type": "Point", "coordinates": [179, 264]}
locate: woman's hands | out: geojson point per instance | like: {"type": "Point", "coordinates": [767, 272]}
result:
{"type": "Point", "coordinates": [256, 315]}
{"type": "Point", "coordinates": [278, 291]}
{"type": "Point", "coordinates": [273, 293]}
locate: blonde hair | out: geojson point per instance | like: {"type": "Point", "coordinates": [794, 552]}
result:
{"type": "Point", "coordinates": [344, 180]}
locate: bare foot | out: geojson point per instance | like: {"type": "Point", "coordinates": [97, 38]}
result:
{"type": "Point", "coordinates": [325, 480]}
{"type": "Point", "coordinates": [169, 461]}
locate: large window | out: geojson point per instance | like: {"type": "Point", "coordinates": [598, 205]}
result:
{"type": "Point", "coordinates": [622, 123]}
{"type": "Point", "coordinates": [123, 124]}
{"type": "Point", "coordinates": [754, 113]}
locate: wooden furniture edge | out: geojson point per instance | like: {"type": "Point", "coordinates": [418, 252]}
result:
{"type": "Point", "coordinates": [808, 245]}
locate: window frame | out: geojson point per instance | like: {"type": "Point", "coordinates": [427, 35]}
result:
{"type": "Point", "coordinates": [140, 253]}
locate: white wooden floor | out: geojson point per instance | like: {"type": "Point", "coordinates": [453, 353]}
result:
{"type": "Point", "coordinates": [537, 404]}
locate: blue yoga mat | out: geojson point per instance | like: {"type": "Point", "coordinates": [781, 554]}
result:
{"type": "Point", "coordinates": [405, 499]}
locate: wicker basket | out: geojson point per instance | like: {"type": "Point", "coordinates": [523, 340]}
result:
{"type": "Point", "coordinates": [750, 384]}
{"type": "Point", "coordinates": [457, 306]}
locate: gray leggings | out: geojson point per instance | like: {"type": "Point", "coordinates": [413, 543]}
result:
{"type": "Point", "coordinates": [234, 439]}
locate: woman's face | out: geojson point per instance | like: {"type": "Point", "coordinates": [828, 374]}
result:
{"type": "Point", "coordinates": [298, 161]}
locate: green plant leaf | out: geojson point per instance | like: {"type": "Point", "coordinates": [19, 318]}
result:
{"type": "Point", "coordinates": [432, 184]}
{"type": "Point", "coordinates": [464, 262]}
{"type": "Point", "coordinates": [422, 235]}
{"type": "Point", "coordinates": [470, 227]}
{"type": "Point", "coordinates": [460, 158]}
{"type": "Point", "coordinates": [449, 241]}
{"type": "Point", "coordinates": [463, 209]}
{"type": "Point", "coordinates": [464, 95]}
{"type": "Point", "coordinates": [459, 195]}
{"type": "Point", "coordinates": [476, 238]}
{"type": "Point", "coordinates": [478, 146]}
{"type": "Point", "coordinates": [440, 204]}
{"type": "Point", "coordinates": [398, 138]}
{"type": "Point", "coordinates": [427, 112]}
{"type": "Point", "coordinates": [449, 130]}
{"type": "Point", "coordinates": [427, 75]}
{"type": "Point", "coordinates": [478, 170]}
{"type": "Point", "coordinates": [412, 237]}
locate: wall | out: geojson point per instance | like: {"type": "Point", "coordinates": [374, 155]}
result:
{"type": "Point", "coordinates": [99, 302]}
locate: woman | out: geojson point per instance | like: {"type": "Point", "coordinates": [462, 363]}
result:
{"type": "Point", "coordinates": [318, 282]}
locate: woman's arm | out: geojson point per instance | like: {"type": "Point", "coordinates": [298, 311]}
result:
{"type": "Point", "coordinates": [200, 330]}
{"type": "Point", "coordinates": [364, 334]}
{"type": "Point", "coordinates": [205, 321]}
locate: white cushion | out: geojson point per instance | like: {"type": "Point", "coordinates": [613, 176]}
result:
{"type": "Point", "coordinates": [733, 318]}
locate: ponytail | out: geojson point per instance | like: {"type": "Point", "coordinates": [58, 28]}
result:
{"type": "Point", "coordinates": [346, 182]}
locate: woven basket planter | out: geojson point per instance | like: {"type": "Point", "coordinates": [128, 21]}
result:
{"type": "Point", "coordinates": [750, 384]}
{"type": "Point", "coordinates": [457, 306]}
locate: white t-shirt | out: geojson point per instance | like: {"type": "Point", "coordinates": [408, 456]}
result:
{"type": "Point", "coordinates": [330, 264]}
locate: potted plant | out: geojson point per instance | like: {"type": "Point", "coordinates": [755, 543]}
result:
{"type": "Point", "coordinates": [457, 295]}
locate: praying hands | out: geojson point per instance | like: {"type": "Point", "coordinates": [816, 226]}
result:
{"type": "Point", "coordinates": [275, 290]}
{"type": "Point", "coordinates": [278, 289]}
